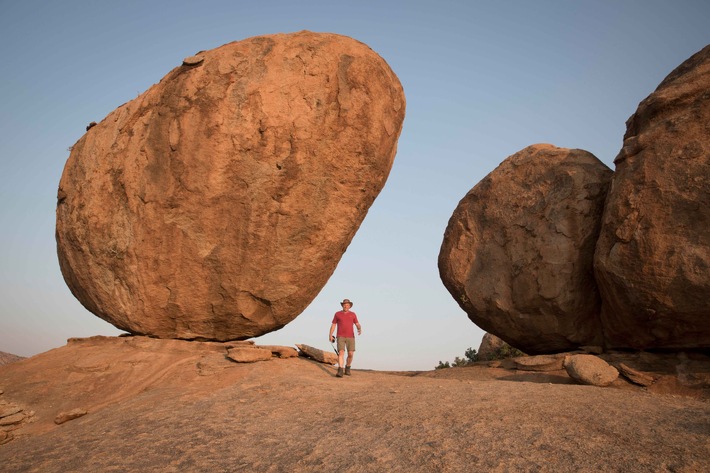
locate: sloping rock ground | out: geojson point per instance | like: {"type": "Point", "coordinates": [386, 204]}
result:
{"type": "Point", "coordinates": [174, 406]}
{"type": "Point", "coordinates": [6, 358]}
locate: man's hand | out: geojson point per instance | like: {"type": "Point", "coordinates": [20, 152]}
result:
{"type": "Point", "coordinates": [332, 339]}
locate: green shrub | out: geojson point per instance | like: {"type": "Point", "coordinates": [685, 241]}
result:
{"type": "Point", "coordinates": [471, 356]}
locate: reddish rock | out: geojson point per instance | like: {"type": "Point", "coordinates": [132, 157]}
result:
{"type": "Point", "coordinates": [589, 369]}
{"type": "Point", "coordinates": [217, 204]}
{"type": "Point", "coordinates": [635, 376]}
{"type": "Point", "coordinates": [539, 363]}
{"type": "Point", "coordinates": [517, 252]}
{"type": "Point", "coordinates": [281, 351]}
{"type": "Point", "coordinates": [653, 256]}
{"type": "Point", "coordinates": [63, 417]}
{"type": "Point", "coordinates": [248, 354]}
{"type": "Point", "coordinates": [318, 354]}
{"type": "Point", "coordinates": [490, 344]}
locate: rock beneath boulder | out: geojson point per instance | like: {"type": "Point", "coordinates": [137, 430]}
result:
{"type": "Point", "coordinates": [636, 377]}
{"type": "Point", "coordinates": [489, 347]}
{"type": "Point", "coordinates": [211, 207]}
{"type": "Point", "coordinates": [248, 354]}
{"type": "Point", "coordinates": [539, 363]}
{"type": "Point", "coordinates": [63, 417]}
{"type": "Point", "coordinates": [652, 261]}
{"type": "Point", "coordinates": [281, 351]}
{"type": "Point", "coordinates": [589, 369]}
{"type": "Point", "coordinates": [517, 253]}
{"type": "Point", "coordinates": [318, 355]}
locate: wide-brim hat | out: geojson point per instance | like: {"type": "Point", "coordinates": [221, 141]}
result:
{"type": "Point", "coordinates": [346, 301]}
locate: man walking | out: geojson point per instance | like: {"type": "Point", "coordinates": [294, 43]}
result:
{"type": "Point", "coordinates": [344, 320]}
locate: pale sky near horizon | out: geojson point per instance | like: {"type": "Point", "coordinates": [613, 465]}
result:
{"type": "Point", "coordinates": [483, 80]}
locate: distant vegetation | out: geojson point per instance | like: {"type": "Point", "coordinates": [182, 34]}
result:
{"type": "Point", "coordinates": [471, 356]}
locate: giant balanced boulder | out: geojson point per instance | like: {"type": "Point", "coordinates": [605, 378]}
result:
{"type": "Point", "coordinates": [653, 256]}
{"type": "Point", "coordinates": [217, 204]}
{"type": "Point", "coordinates": [518, 250]}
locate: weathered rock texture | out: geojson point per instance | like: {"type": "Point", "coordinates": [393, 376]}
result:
{"type": "Point", "coordinates": [517, 253]}
{"type": "Point", "coordinates": [6, 358]}
{"type": "Point", "coordinates": [217, 204]}
{"type": "Point", "coordinates": [248, 354]}
{"type": "Point", "coordinates": [489, 347]}
{"type": "Point", "coordinates": [589, 369]}
{"type": "Point", "coordinates": [318, 354]}
{"type": "Point", "coordinates": [653, 256]}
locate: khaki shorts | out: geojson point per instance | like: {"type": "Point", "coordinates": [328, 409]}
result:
{"type": "Point", "coordinates": [348, 342]}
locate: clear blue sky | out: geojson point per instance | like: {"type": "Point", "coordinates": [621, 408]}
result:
{"type": "Point", "coordinates": [483, 79]}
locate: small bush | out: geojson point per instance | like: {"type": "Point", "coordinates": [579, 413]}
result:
{"type": "Point", "coordinates": [471, 356]}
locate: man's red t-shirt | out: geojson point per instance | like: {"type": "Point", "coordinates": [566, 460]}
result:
{"type": "Point", "coordinates": [345, 321]}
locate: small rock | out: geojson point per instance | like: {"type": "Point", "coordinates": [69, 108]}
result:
{"type": "Point", "coordinates": [539, 363]}
{"type": "Point", "coordinates": [63, 417]}
{"type": "Point", "coordinates": [280, 351]}
{"type": "Point", "coordinates": [248, 354]}
{"type": "Point", "coordinates": [12, 419]}
{"type": "Point", "coordinates": [636, 377]}
{"type": "Point", "coordinates": [192, 60]}
{"type": "Point", "coordinates": [589, 369]}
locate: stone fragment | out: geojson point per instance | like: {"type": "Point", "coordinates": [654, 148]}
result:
{"type": "Point", "coordinates": [12, 419]}
{"type": "Point", "coordinates": [635, 376]}
{"type": "Point", "coordinates": [318, 355]}
{"type": "Point", "coordinates": [211, 207]}
{"type": "Point", "coordinates": [517, 252]}
{"type": "Point", "coordinates": [248, 355]}
{"type": "Point", "coordinates": [589, 369]}
{"type": "Point", "coordinates": [281, 351]}
{"type": "Point", "coordinates": [652, 262]}
{"type": "Point", "coordinates": [193, 60]}
{"type": "Point", "coordinates": [63, 417]}
{"type": "Point", "coordinates": [539, 363]}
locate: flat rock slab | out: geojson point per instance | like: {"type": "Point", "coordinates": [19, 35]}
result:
{"type": "Point", "coordinates": [539, 363]}
{"type": "Point", "coordinates": [318, 354]}
{"type": "Point", "coordinates": [635, 376]}
{"type": "Point", "coordinates": [249, 354]}
{"type": "Point", "coordinates": [217, 204]}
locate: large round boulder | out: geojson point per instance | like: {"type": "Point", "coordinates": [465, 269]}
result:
{"type": "Point", "coordinates": [217, 204]}
{"type": "Point", "coordinates": [653, 256]}
{"type": "Point", "coordinates": [517, 253]}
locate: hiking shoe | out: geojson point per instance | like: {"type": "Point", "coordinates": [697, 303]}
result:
{"type": "Point", "coordinates": [340, 373]}
{"type": "Point", "coordinates": [347, 370]}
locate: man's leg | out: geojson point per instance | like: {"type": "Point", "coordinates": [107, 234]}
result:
{"type": "Point", "coordinates": [351, 354]}
{"type": "Point", "coordinates": [341, 357]}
